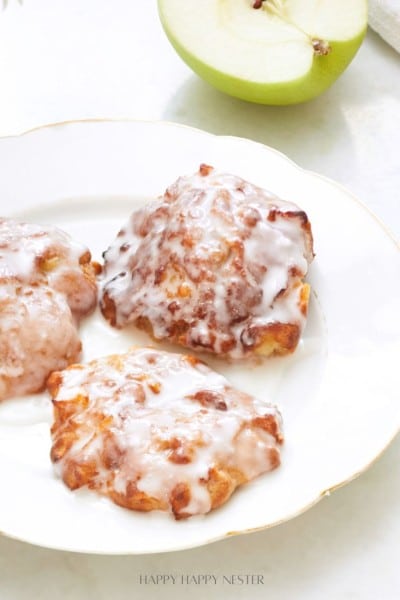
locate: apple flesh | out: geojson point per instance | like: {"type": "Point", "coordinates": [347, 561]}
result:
{"type": "Point", "coordinates": [271, 51]}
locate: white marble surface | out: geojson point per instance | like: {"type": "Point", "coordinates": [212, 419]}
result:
{"type": "Point", "coordinates": [68, 59]}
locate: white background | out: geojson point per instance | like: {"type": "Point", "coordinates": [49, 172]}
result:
{"type": "Point", "coordinates": [75, 59]}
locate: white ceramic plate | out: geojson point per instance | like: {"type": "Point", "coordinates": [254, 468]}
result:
{"type": "Point", "coordinates": [338, 393]}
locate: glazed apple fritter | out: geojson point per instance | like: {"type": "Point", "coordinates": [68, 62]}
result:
{"type": "Point", "coordinates": [47, 285]}
{"type": "Point", "coordinates": [216, 264]}
{"type": "Point", "coordinates": [154, 430]}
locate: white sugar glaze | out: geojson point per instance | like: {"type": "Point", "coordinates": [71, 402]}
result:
{"type": "Point", "coordinates": [21, 244]}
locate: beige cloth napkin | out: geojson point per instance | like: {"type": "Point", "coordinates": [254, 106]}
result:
{"type": "Point", "coordinates": [384, 18]}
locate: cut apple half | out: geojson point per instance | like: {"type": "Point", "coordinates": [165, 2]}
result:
{"type": "Point", "coordinates": [266, 51]}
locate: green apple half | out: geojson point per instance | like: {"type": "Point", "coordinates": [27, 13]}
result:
{"type": "Point", "coordinates": [271, 51]}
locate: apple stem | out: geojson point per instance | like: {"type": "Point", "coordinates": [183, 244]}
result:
{"type": "Point", "coordinates": [276, 7]}
{"type": "Point", "coordinates": [321, 47]}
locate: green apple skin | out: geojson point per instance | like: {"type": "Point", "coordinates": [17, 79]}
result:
{"type": "Point", "coordinates": [323, 73]}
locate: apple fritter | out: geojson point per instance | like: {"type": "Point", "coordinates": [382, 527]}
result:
{"type": "Point", "coordinates": [47, 285]}
{"type": "Point", "coordinates": [154, 430]}
{"type": "Point", "coordinates": [216, 264]}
